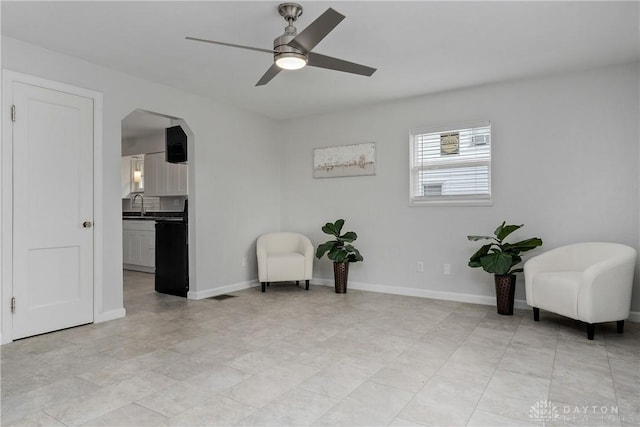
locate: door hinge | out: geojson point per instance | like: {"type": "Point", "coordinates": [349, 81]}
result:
{"type": "Point", "coordinates": [13, 304]}
{"type": "Point", "coordinates": [13, 113]}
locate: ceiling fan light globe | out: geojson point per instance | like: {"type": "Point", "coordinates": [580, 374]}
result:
{"type": "Point", "coordinates": [291, 61]}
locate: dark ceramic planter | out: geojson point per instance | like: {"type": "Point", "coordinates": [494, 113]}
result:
{"type": "Point", "coordinates": [340, 274]}
{"type": "Point", "coordinates": [505, 293]}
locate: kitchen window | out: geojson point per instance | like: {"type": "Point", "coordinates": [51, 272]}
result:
{"type": "Point", "coordinates": [451, 165]}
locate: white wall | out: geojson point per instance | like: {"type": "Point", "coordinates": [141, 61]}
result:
{"type": "Point", "coordinates": [565, 163]}
{"type": "Point", "coordinates": [151, 143]}
{"type": "Point", "coordinates": [233, 196]}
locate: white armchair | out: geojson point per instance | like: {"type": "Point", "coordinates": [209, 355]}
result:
{"type": "Point", "coordinates": [590, 282]}
{"type": "Point", "coordinates": [284, 256]}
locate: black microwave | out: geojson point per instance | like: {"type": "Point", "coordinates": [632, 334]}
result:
{"type": "Point", "coordinates": [176, 145]}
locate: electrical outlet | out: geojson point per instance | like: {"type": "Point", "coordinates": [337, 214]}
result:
{"type": "Point", "coordinates": [447, 269]}
{"type": "Point", "coordinates": [420, 266]}
{"type": "Point", "coordinates": [176, 203]}
{"type": "Point", "coordinates": [244, 261]}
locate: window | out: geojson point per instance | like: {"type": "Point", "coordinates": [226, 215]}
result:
{"type": "Point", "coordinates": [451, 166]}
{"type": "Point", "coordinates": [137, 174]}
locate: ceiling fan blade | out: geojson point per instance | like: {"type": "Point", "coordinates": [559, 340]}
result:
{"type": "Point", "coordinates": [231, 45]}
{"type": "Point", "coordinates": [323, 61]}
{"type": "Point", "coordinates": [317, 30]}
{"type": "Point", "coordinates": [271, 73]}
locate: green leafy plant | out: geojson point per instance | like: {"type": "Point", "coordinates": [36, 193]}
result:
{"type": "Point", "coordinates": [340, 249]}
{"type": "Point", "coordinates": [498, 257]}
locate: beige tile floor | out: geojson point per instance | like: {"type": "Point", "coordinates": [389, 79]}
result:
{"type": "Point", "coordinates": [291, 357]}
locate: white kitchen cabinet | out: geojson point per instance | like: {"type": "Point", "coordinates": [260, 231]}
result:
{"type": "Point", "coordinates": [125, 179]}
{"type": "Point", "coordinates": [177, 179]}
{"type": "Point", "coordinates": [155, 174]}
{"type": "Point", "coordinates": [163, 178]}
{"type": "Point", "coordinates": [139, 245]}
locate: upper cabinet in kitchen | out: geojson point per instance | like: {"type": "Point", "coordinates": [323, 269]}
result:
{"type": "Point", "coordinates": [162, 178]}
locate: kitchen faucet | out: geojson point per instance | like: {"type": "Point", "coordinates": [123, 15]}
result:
{"type": "Point", "coordinates": [141, 203]}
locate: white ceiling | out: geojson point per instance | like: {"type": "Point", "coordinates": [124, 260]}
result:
{"type": "Point", "coordinates": [419, 47]}
{"type": "Point", "coordinates": [141, 123]}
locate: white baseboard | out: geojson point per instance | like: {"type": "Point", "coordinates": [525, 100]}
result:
{"type": "Point", "coordinates": [634, 316]}
{"type": "Point", "coordinates": [109, 315]}
{"type": "Point", "coordinates": [140, 268]}
{"type": "Point", "coordinates": [208, 293]}
{"type": "Point", "coordinates": [413, 292]}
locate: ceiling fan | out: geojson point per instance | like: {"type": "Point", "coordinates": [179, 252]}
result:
{"type": "Point", "coordinates": [292, 51]}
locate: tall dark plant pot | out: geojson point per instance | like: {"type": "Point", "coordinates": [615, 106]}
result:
{"type": "Point", "coordinates": [505, 293]}
{"type": "Point", "coordinates": [340, 274]}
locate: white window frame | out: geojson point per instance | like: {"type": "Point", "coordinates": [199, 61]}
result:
{"type": "Point", "coordinates": [448, 200]}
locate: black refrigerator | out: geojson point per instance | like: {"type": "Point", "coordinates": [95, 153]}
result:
{"type": "Point", "coordinates": [172, 257]}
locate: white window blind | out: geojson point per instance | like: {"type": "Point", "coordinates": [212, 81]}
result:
{"type": "Point", "coordinates": [451, 166]}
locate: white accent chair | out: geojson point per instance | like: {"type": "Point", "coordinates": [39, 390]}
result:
{"type": "Point", "coordinates": [283, 257]}
{"type": "Point", "coordinates": [590, 282]}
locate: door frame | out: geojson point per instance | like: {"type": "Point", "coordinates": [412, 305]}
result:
{"type": "Point", "coordinates": [6, 202]}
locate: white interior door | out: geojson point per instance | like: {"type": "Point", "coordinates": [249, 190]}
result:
{"type": "Point", "coordinates": [53, 210]}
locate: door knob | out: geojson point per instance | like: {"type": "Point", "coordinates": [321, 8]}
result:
{"type": "Point", "coordinates": [87, 224]}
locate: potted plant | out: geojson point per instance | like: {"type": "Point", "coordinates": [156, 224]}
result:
{"type": "Point", "coordinates": [340, 251]}
{"type": "Point", "coordinates": [500, 259]}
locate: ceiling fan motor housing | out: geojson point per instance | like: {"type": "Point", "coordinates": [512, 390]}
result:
{"type": "Point", "coordinates": [282, 49]}
{"type": "Point", "coordinates": [285, 56]}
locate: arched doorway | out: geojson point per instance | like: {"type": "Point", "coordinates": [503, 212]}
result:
{"type": "Point", "coordinates": [156, 194]}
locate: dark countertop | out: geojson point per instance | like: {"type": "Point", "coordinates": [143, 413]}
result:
{"type": "Point", "coordinates": [153, 216]}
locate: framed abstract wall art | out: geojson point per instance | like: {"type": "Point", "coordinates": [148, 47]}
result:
{"type": "Point", "coordinates": [344, 160]}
